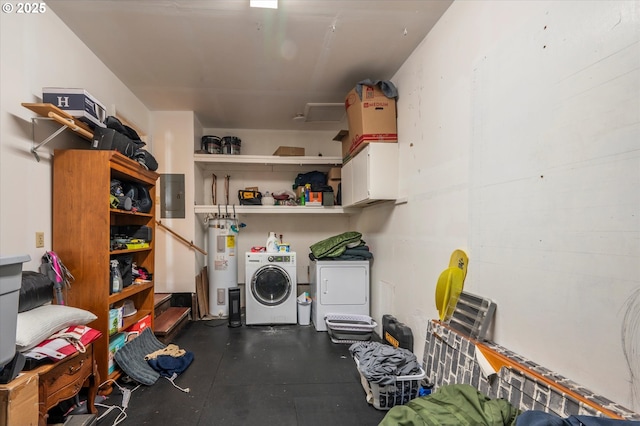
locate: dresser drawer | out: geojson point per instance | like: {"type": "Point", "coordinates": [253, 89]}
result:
{"type": "Point", "coordinates": [65, 379]}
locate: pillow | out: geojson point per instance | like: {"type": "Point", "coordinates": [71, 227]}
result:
{"type": "Point", "coordinates": [36, 325]}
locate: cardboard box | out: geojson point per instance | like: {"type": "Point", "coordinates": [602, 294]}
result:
{"type": "Point", "coordinates": [343, 138]}
{"type": "Point", "coordinates": [19, 400]}
{"type": "Point", "coordinates": [116, 319]}
{"type": "Point", "coordinates": [115, 343]}
{"type": "Point", "coordinates": [289, 151]}
{"type": "Point", "coordinates": [335, 173]}
{"type": "Point", "coordinates": [77, 102]}
{"type": "Point", "coordinates": [315, 198]}
{"type": "Point", "coordinates": [138, 327]}
{"type": "Point", "coordinates": [371, 119]}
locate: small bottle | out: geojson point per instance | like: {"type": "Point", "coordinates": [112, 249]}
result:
{"type": "Point", "coordinates": [307, 189]}
{"type": "Point", "coordinates": [116, 277]}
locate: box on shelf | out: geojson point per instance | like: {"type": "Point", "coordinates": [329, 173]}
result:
{"type": "Point", "coordinates": [343, 138]}
{"type": "Point", "coordinates": [77, 102]}
{"type": "Point", "coordinates": [116, 318]}
{"type": "Point", "coordinates": [289, 151]}
{"type": "Point", "coordinates": [335, 173]}
{"type": "Point", "coordinates": [138, 327]}
{"type": "Point", "coordinates": [116, 342]}
{"type": "Point", "coordinates": [315, 198]}
{"type": "Point", "coordinates": [371, 119]}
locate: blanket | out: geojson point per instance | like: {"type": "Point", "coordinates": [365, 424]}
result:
{"type": "Point", "coordinates": [460, 405]}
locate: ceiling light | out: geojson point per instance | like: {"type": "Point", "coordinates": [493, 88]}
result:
{"type": "Point", "coordinates": [299, 118]}
{"type": "Point", "coordinates": [267, 4]}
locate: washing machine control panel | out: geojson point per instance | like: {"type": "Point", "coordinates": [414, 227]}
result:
{"type": "Point", "coordinates": [281, 258]}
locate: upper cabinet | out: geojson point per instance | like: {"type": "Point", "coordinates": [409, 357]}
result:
{"type": "Point", "coordinates": [371, 175]}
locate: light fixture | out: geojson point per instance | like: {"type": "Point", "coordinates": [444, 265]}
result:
{"type": "Point", "coordinates": [299, 117]}
{"type": "Point", "coordinates": [267, 4]}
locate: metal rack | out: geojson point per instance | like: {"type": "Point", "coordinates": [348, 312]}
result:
{"type": "Point", "coordinates": [48, 111]}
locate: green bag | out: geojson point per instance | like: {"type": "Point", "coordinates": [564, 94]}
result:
{"type": "Point", "coordinates": [336, 245]}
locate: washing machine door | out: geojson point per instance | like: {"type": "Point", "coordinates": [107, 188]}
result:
{"type": "Point", "coordinates": [271, 285]}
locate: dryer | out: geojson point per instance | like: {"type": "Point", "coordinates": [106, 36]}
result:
{"type": "Point", "coordinates": [338, 287]}
{"type": "Point", "coordinates": [270, 288]}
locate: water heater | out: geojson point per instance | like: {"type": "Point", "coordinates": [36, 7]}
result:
{"type": "Point", "coordinates": [222, 263]}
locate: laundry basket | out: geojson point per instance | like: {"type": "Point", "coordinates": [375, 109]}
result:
{"type": "Point", "coordinates": [349, 328]}
{"type": "Point", "coordinates": [384, 397]}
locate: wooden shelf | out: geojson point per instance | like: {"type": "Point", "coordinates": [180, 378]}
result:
{"type": "Point", "coordinates": [52, 112]}
{"type": "Point", "coordinates": [264, 159]}
{"type": "Point", "coordinates": [129, 291]}
{"type": "Point", "coordinates": [209, 209]}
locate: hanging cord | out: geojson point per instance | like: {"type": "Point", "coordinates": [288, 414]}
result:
{"type": "Point", "coordinates": [172, 378]}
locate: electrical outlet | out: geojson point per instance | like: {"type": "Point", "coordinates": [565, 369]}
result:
{"type": "Point", "coordinates": [39, 239]}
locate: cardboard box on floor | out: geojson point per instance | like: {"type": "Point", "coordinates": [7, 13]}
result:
{"type": "Point", "coordinates": [371, 119]}
{"type": "Point", "coordinates": [19, 400]}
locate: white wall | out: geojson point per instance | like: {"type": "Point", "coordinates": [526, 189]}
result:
{"type": "Point", "coordinates": [519, 128]}
{"type": "Point", "coordinates": [38, 51]}
{"type": "Point", "coordinates": [176, 262]}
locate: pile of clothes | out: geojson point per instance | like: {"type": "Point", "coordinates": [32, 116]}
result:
{"type": "Point", "coordinates": [346, 246]}
{"type": "Point", "coordinates": [381, 363]}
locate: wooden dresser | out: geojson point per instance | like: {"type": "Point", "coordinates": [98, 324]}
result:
{"type": "Point", "coordinates": [63, 380]}
{"type": "Point", "coordinates": [55, 383]}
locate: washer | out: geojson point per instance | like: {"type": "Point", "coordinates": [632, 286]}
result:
{"type": "Point", "coordinates": [270, 288]}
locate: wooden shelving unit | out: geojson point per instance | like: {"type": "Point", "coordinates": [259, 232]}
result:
{"type": "Point", "coordinates": [82, 217]}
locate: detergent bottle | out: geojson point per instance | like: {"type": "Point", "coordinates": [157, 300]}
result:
{"type": "Point", "coordinates": [272, 243]}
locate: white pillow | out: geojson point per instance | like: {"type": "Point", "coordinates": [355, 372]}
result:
{"type": "Point", "coordinates": [38, 324]}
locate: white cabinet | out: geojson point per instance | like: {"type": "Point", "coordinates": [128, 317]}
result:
{"type": "Point", "coordinates": [371, 175]}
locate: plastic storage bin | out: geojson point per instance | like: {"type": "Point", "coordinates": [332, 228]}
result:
{"type": "Point", "coordinates": [10, 283]}
{"type": "Point", "coordinates": [349, 328]}
{"type": "Point", "coordinates": [402, 391]}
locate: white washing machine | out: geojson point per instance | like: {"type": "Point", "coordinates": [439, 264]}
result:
{"type": "Point", "coordinates": [270, 288]}
{"type": "Point", "coordinates": [338, 287]}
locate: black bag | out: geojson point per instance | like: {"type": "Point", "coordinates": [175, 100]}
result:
{"type": "Point", "coordinates": [145, 158]}
{"type": "Point", "coordinates": [140, 196]}
{"type": "Point", "coordinates": [317, 180]}
{"type": "Point", "coordinates": [106, 139]}
{"type": "Point", "coordinates": [36, 289]}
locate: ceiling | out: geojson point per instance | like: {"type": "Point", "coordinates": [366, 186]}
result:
{"type": "Point", "coordinates": [243, 68]}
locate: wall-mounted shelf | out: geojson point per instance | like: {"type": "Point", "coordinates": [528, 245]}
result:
{"type": "Point", "coordinates": [205, 159]}
{"type": "Point", "coordinates": [210, 209]}
{"type": "Point", "coordinates": [51, 112]}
